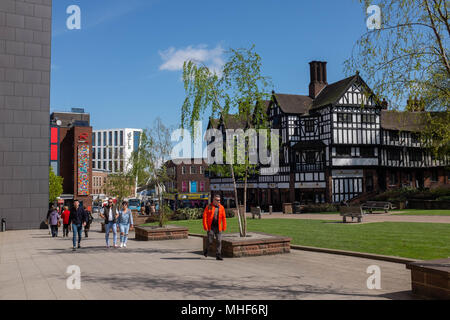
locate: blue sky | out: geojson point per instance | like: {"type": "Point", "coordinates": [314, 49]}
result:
{"type": "Point", "coordinates": [123, 66]}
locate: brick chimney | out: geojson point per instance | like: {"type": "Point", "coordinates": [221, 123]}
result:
{"type": "Point", "coordinates": [318, 74]}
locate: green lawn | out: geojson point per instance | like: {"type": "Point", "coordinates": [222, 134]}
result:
{"type": "Point", "coordinates": [403, 239]}
{"type": "Point", "coordinates": [418, 212]}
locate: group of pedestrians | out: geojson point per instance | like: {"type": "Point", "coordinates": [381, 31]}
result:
{"type": "Point", "coordinates": [117, 218]}
{"type": "Point", "coordinates": [214, 222]}
{"type": "Point", "coordinates": [79, 217]}
{"type": "Point", "coordinates": [55, 216]}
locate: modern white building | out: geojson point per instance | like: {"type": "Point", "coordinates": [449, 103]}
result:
{"type": "Point", "coordinates": [112, 148]}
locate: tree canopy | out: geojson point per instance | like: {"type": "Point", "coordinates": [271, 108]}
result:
{"type": "Point", "coordinates": [408, 59]}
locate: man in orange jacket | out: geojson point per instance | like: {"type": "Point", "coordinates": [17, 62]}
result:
{"type": "Point", "coordinates": [214, 222]}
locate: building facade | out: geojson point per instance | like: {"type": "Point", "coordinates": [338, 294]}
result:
{"type": "Point", "coordinates": [112, 148]}
{"type": "Point", "coordinates": [99, 183]}
{"type": "Point", "coordinates": [25, 55]}
{"type": "Point", "coordinates": [187, 176]}
{"type": "Point", "coordinates": [336, 144]}
{"type": "Point", "coordinates": [73, 159]}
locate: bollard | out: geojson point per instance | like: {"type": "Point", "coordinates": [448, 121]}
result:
{"type": "Point", "coordinates": [270, 209]}
{"type": "Point", "coordinates": [3, 226]}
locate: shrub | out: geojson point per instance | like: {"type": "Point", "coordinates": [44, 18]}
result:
{"type": "Point", "coordinates": [188, 214]}
{"type": "Point", "coordinates": [444, 198]}
{"type": "Point", "coordinates": [323, 207]}
{"type": "Point", "coordinates": [229, 213]}
{"type": "Point", "coordinates": [440, 192]}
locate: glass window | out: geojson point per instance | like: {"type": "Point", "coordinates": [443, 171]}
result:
{"type": "Point", "coordinates": [93, 139]}
{"type": "Point", "coordinates": [368, 118]}
{"type": "Point", "coordinates": [366, 152]}
{"type": "Point", "coordinates": [394, 155]}
{"type": "Point", "coordinates": [343, 151]}
{"type": "Point", "coordinates": [193, 171]}
{"type": "Point", "coordinates": [394, 136]}
{"type": "Point", "coordinates": [434, 175]}
{"type": "Point", "coordinates": [104, 153]}
{"type": "Point", "coordinates": [183, 170]}
{"type": "Point", "coordinates": [393, 179]}
{"type": "Point", "coordinates": [104, 138]}
{"type": "Point", "coordinates": [344, 117]}
{"type": "Point", "coordinates": [93, 153]}
{"type": "Point", "coordinates": [310, 157]}
{"type": "Point", "coordinates": [115, 138]}
{"type": "Point", "coordinates": [415, 156]}
{"type": "Point", "coordinates": [137, 137]}
{"type": "Point", "coordinates": [99, 153]}
{"type": "Point", "coordinates": [309, 125]}
{"type": "Point", "coordinates": [110, 141]}
{"type": "Point", "coordinates": [121, 138]}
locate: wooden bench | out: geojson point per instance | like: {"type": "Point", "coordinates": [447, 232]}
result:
{"type": "Point", "coordinates": [354, 212]}
{"type": "Point", "coordinates": [255, 211]}
{"type": "Point", "coordinates": [371, 205]}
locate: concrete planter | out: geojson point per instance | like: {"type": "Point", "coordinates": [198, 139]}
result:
{"type": "Point", "coordinates": [431, 279]}
{"type": "Point", "coordinates": [256, 244]}
{"type": "Point", "coordinates": [155, 233]}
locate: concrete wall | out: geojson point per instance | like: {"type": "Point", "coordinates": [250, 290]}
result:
{"type": "Point", "coordinates": [25, 42]}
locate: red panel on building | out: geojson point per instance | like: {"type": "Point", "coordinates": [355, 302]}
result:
{"type": "Point", "coordinates": [54, 152]}
{"type": "Point", "coordinates": [54, 136]}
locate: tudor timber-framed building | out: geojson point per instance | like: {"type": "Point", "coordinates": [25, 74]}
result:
{"type": "Point", "coordinates": [337, 143]}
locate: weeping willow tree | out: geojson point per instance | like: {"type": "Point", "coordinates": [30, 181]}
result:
{"type": "Point", "coordinates": [149, 161]}
{"type": "Point", "coordinates": [237, 93]}
{"type": "Point", "coordinates": [407, 58]}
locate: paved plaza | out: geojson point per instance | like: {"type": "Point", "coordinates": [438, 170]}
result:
{"type": "Point", "coordinates": [33, 266]}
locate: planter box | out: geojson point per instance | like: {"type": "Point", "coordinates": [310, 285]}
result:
{"type": "Point", "coordinates": [257, 244]}
{"type": "Point", "coordinates": [165, 233]}
{"type": "Point", "coordinates": [431, 279]}
{"type": "Point", "coordinates": [142, 219]}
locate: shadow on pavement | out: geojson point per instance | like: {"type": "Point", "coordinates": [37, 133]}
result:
{"type": "Point", "coordinates": [213, 287]}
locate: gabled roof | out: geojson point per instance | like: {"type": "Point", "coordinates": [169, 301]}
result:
{"type": "Point", "coordinates": [293, 103]}
{"type": "Point", "coordinates": [403, 120]}
{"type": "Point", "coordinates": [332, 92]}
{"type": "Point", "coordinates": [233, 122]}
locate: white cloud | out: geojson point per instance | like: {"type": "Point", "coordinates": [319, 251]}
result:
{"type": "Point", "coordinates": [173, 59]}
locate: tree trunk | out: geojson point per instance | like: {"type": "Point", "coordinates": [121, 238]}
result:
{"type": "Point", "coordinates": [244, 216]}
{"type": "Point", "coordinates": [241, 228]}
{"type": "Point", "coordinates": [161, 211]}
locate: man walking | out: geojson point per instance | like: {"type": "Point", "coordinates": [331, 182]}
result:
{"type": "Point", "coordinates": [110, 215]}
{"type": "Point", "coordinates": [214, 222]}
{"type": "Point", "coordinates": [78, 218]}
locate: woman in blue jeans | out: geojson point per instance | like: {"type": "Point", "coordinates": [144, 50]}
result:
{"type": "Point", "coordinates": [125, 223]}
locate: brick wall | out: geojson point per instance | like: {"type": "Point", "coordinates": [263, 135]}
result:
{"type": "Point", "coordinates": [25, 42]}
